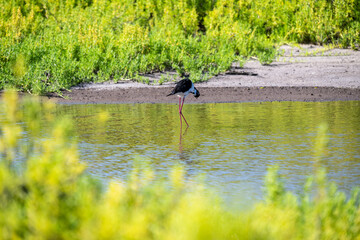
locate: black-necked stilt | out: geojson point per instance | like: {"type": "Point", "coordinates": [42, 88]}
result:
{"type": "Point", "coordinates": [182, 89]}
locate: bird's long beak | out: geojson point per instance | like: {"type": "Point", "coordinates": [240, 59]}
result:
{"type": "Point", "coordinates": [196, 93]}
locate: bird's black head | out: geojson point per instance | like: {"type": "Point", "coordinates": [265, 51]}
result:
{"type": "Point", "coordinates": [196, 93]}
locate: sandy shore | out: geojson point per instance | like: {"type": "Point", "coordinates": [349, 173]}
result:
{"type": "Point", "coordinates": [308, 73]}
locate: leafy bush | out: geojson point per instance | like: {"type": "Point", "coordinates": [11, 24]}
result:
{"type": "Point", "coordinates": [51, 45]}
{"type": "Point", "coordinates": [45, 193]}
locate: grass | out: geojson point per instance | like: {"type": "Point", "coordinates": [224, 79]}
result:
{"type": "Point", "coordinates": [45, 193]}
{"type": "Point", "coordinates": [48, 45]}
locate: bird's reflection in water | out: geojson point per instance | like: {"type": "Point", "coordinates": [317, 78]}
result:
{"type": "Point", "coordinates": [184, 154]}
{"type": "Point", "coordinates": [182, 135]}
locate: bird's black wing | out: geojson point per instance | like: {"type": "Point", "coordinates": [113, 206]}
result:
{"type": "Point", "coordinates": [182, 86]}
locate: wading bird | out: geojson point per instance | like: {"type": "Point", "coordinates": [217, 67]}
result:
{"type": "Point", "coordinates": [182, 89]}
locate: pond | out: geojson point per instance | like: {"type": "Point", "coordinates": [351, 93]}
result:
{"type": "Point", "coordinates": [233, 144]}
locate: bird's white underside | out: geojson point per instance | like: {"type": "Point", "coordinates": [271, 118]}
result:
{"type": "Point", "coordinates": [184, 94]}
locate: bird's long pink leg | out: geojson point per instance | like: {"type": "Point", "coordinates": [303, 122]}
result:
{"type": "Point", "coordinates": [180, 107]}
{"type": "Point", "coordinates": [182, 113]}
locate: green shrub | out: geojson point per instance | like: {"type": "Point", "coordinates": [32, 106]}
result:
{"type": "Point", "coordinates": [84, 42]}
{"type": "Point", "coordinates": [63, 43]}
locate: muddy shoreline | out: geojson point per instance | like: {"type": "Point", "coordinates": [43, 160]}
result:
{"type": "Point", "coordinates": [302, 73]}
{"type": "Point", "coordinates": [210, 95]}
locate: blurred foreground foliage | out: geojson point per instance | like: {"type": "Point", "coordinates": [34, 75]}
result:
{"type": "Point", "coordinates": [45, 193]}
{"type": "Point", "coordinates": [49, 45]}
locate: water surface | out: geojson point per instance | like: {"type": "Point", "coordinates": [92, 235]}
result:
{"type": "Point", "coordinates": [232, 143]}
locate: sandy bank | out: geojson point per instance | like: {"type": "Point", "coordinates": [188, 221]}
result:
{"type": "Point", "coordinates": [306, 73]}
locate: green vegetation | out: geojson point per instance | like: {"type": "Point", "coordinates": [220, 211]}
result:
{"type": "Point", "coordinates": [45, 193]}
{"type": "Point", "coordinates": [49, 45]}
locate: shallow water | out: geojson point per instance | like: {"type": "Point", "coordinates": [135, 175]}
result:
{"type": "Point", "coordinates": [232, 143]}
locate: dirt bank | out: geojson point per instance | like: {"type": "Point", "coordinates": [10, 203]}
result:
{"type": "Point", "coordinates": [212, 95]}
{"type": "Point", "coordinates": [305, 73]}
